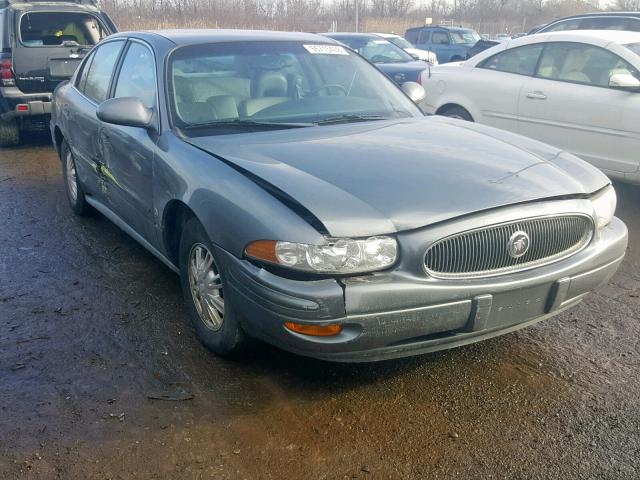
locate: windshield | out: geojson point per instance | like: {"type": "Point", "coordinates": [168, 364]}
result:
{"type": "Point", "coordinates": [46, 29]}
{"type": "Point", "coordinates": [251, 83]}
{"type": "Point", "coordinates": [377, 50]}
{"type": "Point", "coordinates": [400, 42]}
{"type": "Point", "coordinates": [634, 47]}
{"type": "Point", "coordinates": [464, 36]}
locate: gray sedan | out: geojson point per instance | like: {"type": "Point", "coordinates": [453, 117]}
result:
{"type": "Point", "coordinates": [306, 201]}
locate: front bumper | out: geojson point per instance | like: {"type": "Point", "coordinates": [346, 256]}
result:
{"type": "Point", "coordinates": [401, 313]}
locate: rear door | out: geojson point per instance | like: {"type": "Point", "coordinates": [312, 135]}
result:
{"type": "Point", "coordinates": [569, 105]}
{"type": "Point", "coordinates": [79, 110]}
{"type": "Point", "coordinates": [50, 44]}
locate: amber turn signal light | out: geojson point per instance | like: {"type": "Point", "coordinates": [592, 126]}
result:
{"type": "Point", "coordinates": [262, 250]}
{"type": "Point", "coordinates": [314, 330]}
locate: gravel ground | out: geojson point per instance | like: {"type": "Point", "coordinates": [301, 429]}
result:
{"type": "Point", "coordinates": [92, 328]}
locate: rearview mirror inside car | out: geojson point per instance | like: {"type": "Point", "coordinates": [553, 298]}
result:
{"type": "Point", "coordinates": [414, 91]}
{"type": "Point", "coordinates": [126, 111]}
{"type": "Point", "coordinates": [624, 81]}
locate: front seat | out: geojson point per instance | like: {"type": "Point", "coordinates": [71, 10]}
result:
{"type": "Point", "coordinates": [269, 88]}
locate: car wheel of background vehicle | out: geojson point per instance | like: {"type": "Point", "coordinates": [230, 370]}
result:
{"type": "Point", "coordinates": [75, 194]}
{"type": "Point", "coordinates": [9, 133]}
{"type": "Point", "coordinates": [457, 112]}
{"type": "Point", "coordinates": [203, 284]}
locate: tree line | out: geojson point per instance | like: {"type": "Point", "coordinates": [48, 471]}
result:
{"type": "Point", "coordinates": [486, 16]}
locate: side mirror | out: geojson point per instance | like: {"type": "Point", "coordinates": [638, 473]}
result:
{"type": "Point", "coordinates": [414, 91]}
{"type": "Point", "coordinates": [126, 111]}
{"type": "Point", "coordinates": [414, 56]}
{"type": "Point", "coordinates": [624, 81]}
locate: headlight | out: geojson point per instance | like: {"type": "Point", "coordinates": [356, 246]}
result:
{"type": "Point", "coordinates": [341, 256]}
{"type": "Point", "coordinates": [604, 206]}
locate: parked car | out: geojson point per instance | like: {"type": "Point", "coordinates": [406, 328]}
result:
{"type": "Point", "coordinates": [418, 54]}
{"type": "Point", "coordinates": [306, 201]}
{"type": "Point", "coordinates": [578, 91]}
{"type": "Point", "coordinates": [448, 43]}
{"type": "Point", "coordinates": [629, 21]}
{"type": "Point", "coordinates": [481, 46]}
{"type": "Point", "coordinates": [41, 44]}
{"type": "Point", "coordinates": [397, 64]}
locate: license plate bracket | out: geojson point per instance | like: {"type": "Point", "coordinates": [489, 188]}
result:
{"type": "Point", "coordinates": [518, 306]}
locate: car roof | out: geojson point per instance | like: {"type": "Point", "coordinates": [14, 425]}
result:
{"type": "Point", "coordinates": [195, 36]}
{"type": "Point", "coordinates": [388, 35]}
{"type": "Point", "coordinates": [444, 27]}
{"type": "Point", "coordinates": [604, 36]}
{"type": "Point", "coordinates": [39, 5]}
{"type": "Point", "coordinates": [338, 35]}
{"type": "Point", "coordinates": [596, 14]}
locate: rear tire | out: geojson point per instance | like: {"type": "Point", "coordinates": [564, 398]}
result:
{"type": "Point", "coordinates": [75, 194]}
{"type": "Point", "coordinates": [9, 133]}
{"type": "Point", "coordinates": [204, 282]}
{"type": "Point", "coordinates": [457, 112]}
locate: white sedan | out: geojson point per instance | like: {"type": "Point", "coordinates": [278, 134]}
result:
{"type": "Point", "coordinates": [404, 44]}
{"type": "Point", "coordinates": [576, 90]}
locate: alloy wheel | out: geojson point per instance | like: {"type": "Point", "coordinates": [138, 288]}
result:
{"type": "Point", "coordinates": [205, 285]}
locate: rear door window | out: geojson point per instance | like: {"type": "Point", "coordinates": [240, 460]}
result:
{"type": "Point", "coordinates": [100, 71]}
{"type": "Point", "coordinates": [520, 60]}
{"type": "Point", "coordinates": [82, 78]}
{"type": "Point", "coordinates": [50, 29]}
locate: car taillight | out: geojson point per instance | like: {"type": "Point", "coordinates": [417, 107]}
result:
{"type": "Point", "coordinates": [7, 78]}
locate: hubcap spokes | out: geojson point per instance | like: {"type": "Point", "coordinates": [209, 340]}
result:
{"type": "Point", "coordinates": [72, 182]}
{"type": "Point", "coordinates": [206, 286]}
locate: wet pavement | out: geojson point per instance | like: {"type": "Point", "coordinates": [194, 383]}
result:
{"type": "Point", "coordinates": [101, 376]}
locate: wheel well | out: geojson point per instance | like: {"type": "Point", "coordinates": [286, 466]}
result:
{"type": "Point", "coordinates": [174, 219]}
{"type": "Point", "coordinates": [58, 138]}
{"type": "Point", "coordinates": [456, 58]}
{"type": "Point", "coordinates": [448, 106]}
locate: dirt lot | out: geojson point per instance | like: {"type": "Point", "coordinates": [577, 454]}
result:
{"type": "Point", "coordinates": [92, 326]}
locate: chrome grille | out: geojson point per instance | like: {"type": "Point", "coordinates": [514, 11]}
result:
{"type": "Point", "coordinates": [485, 251]}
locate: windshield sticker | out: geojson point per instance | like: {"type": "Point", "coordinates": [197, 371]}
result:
{"type": "Point", "coordinates": [326, 49]}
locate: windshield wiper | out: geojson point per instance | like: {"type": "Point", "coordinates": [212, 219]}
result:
{"type": "Point", "coordinates": [246, 123]}
{"type": "Point", "coordinates": [347, 118]}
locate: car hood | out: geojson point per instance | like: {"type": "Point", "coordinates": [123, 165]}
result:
{"type": "Point", "coordinates": [382, 177]}
{"type": "Point", "coordinates": [423, 54]}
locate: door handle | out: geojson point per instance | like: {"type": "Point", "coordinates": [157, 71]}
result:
{"type": "Point", "coordinates": [536, 95]}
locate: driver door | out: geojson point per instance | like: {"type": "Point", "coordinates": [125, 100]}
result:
{"type": "Point", "coordinates": [129, 152]}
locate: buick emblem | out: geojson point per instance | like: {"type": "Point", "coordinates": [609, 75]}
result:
{"type": "Point", "coordinates": [518, 244]}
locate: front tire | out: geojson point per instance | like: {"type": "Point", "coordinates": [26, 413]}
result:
{"type": "Point", "coordinates": [204, 283]}
{"type": "Point", "coordinates": [9, 133]}
{"type": "Point", "coordinates": [457, 112]}
{"type": "Point", "coordinates": [75, 194]}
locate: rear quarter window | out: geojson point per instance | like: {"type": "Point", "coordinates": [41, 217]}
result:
{"type": "Point", "coordinates": [3, 30]}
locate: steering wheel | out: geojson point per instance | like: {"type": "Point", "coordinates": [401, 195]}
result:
{"type": "Point", "coordinates": [329, 86]}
